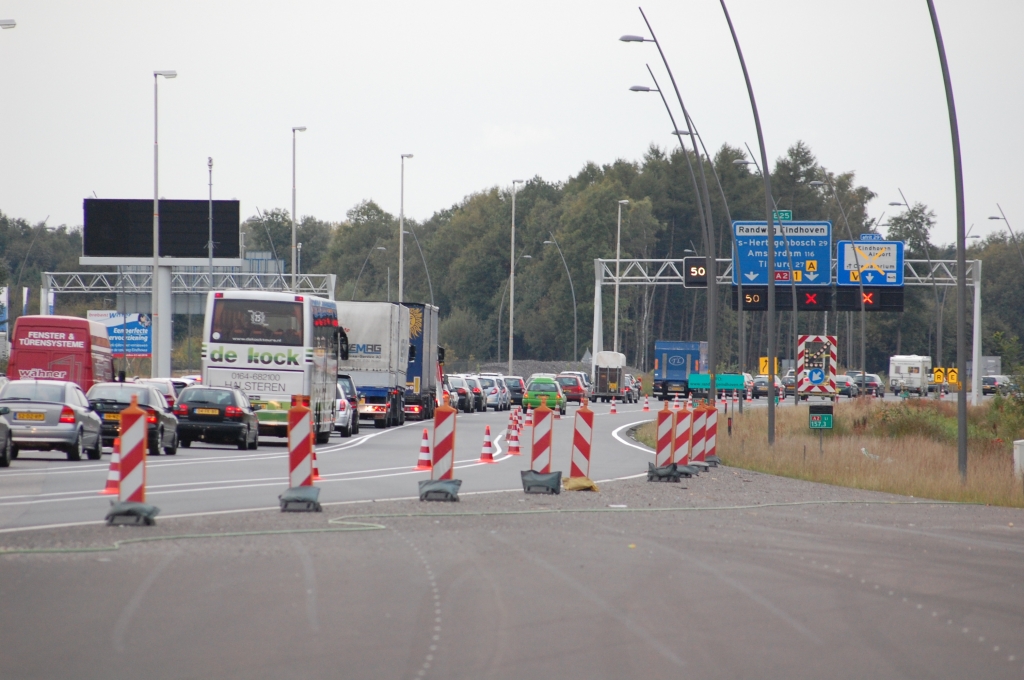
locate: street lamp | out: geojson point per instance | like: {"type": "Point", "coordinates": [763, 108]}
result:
{"type": "Point", "coordinates": [429, 284]}
{"type": "Point", "coordinates": [209, 243]}
{"type": "Point", "coordinates": [401, 234]}
{"type": "Point", "coordinates": [575, 347]}
{"type": "Point", "coordinates": [512, 279]}
{"type": "Point", "coordinates": [300, 128]}
{"type": "Point", "coordinates": [1002, 216]}
{"type": "Point", "coordinates": [618, 244]}
{"type": "Point", "coordinates": [160, 364]}
{"type": "Point", "coordinates": [501, 307]}
{"type": "Point", "coordinates": [374, 247]}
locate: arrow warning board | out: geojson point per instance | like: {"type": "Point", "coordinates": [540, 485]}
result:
{"type": "Point", "coordinates": [808, 245]}
{"type": "Point", "coordinates": [871, 263]}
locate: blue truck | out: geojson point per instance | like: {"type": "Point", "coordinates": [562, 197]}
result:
{"type": "Point", "coordinates": [421, 373]}
{"type": "Point", "coordinates": [674, 362]}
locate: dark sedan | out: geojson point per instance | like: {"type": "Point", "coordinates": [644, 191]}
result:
{"type": "Point", "coordinates": [217, 415]}
{"type": "Point", "coordinates": [870, 385]}
{"type": "Point", "coordinates": [109, 399]}
{"type": "Point", "coordinates": [516, 387]}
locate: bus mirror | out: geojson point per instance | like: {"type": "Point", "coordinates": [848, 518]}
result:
{"type": "Point", "coordinates": [440, 354]}
{"type": "Point", "coordinates": [120, 376]}
{"type": "Point", "coordinates": [412, 352]}
{"type": "Point", "coordinates": [343, 344]}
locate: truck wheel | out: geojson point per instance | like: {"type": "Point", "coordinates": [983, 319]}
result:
{"type": "Point", "coordinates": [380, 424]}
{"type": "Point", "coordinates": [323, 437]}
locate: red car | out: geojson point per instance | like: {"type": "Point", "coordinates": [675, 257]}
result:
{"type": "Point", "coordinates": [572, 387]}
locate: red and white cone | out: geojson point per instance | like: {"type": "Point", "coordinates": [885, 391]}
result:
{"type": "Point", "coordinates": [487, 451]}
{"type": "Point", "coordinates": [113, 486]}
{"type": "Point", "coordinates": [529, 418]}
{"type": "Point", "coordinates": [312, 450]}
{"type": "Point", "coordinates": [750, 395]}
{"type": "Point", "coordinates": [675, 403]}
{"type": "Point", "coordinates": [424, 462]}
{"type": "Point", "coordinates": [513, 443]}
{"type": "Point", "coordinates": [647, 404]}
{"type": "Point", "coordinates": [613, 411]}
{"type": "Point", "coordinates": [511, 421]}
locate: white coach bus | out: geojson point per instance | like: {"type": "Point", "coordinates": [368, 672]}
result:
{"type": "Point", "coordinates": [272, 346]}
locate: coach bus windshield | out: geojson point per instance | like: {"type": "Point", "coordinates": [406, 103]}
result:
{"type": "Point", "coordinates": [257, 322]}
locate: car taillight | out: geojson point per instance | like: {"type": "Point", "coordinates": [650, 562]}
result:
{"type": "Point", "coordinates": [232, 412]}
{"type": "Point", "coordinates": [460, 390]}
{"type": "Point", "coordinates": [494, 390]}
{"type": "Point", "coordinates": [342, 405]}
{"type": "Point", "coordinates": [476, 390]}
{"type": "Point", "coordinates": [181, 410]}
{"type": "Point", "coordinates": [67, 415]}
{"type": "Point", "coordinates": [151, 417]}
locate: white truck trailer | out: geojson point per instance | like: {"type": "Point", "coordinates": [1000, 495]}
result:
{"type": "Point", "coordinates": [910, 372]}
{"type": "Point", "coordinates": [608, 370]}
{"type": "Point", "coordinates": [378, 357]}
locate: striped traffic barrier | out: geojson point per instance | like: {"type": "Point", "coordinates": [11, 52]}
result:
{"type": "Point", "coordinates": [666, 433]}
{"type": "Point", "coordinates": [582, 440]}
{"type": "Point", "coordinates": [487, 449]}
{"type": "Point", "coordinates": [444, 444]}
{"type": "Point", "coordinates": [424, 462]}
{"type": "Point", "coordinates": [113, 487]}
{"type": "Point", "coordinates": [301, 495]}
{"type": "Point", "coordinates": [131, 507]}
{"type": "Point", "coordinates": [681, 443]}
{"type": "Point", "coordinates": [133, 457]}
{"type": "Point", "coordinates": [540, 449]}
{"type": "Point", "coordinates": [697, 443]}
{"type": "Point", "coordinates": [711, 438]}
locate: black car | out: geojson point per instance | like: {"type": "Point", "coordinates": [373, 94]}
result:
{"type": "Point", "coordinates": [109, 399]}
{"type": "Point", "coordinates": [516, 387]}
{"type": "Point", "coordinates": [789, 382]}
{"type": "Point", "coordinates": [217, 415]}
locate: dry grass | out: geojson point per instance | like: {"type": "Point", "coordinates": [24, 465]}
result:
{"type": "Point", "coordinates": [905, 449]}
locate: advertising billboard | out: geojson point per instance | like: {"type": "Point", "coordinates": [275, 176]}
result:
{"type": "Point", "coordinates": [136, 327]}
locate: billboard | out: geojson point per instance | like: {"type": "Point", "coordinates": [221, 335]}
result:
{"type": "Point", "coordinates": [138, 328]}
{"type": "Point", "coordinates": [124, 228]}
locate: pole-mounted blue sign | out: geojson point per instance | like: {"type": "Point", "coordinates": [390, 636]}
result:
{"type": "Point", "coordinates": [872, 263]}
{"type": "Point", "coordinates": [807, 244]}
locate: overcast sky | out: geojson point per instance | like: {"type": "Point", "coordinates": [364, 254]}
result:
{"type": "Point", "coordinates": [483, 93]}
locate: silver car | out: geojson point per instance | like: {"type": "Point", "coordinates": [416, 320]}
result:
{"type": "Point", "coordinates": [343, 421]}
{"type": "Point", "coordinates": [51, 415]}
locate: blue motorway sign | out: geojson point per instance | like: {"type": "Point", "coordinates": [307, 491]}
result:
{"type": "Point", "coordinates": [872, 263]}
{"type": "Point", "coordinates": [809, 248]}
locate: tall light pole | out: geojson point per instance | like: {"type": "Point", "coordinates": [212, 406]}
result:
{"type": "Point", "coordinates": [209, 243]}
{"type": "Point", "coordinates": [160, 365]}
{"type": "Point", "coordinates": [770, 219]}
{"type": "Point", "coordinates": [575, 347]}
{"type": "Point", "coordinates": [300, 128]}
{"type": "Point", "coordinates": [1012, 235]}
{"type": "Point", "coordinates": [618, 249]}
{"type": "Point", "coordinates": [501, 307]}
{"type": "Point", "coordinates": [512, 279]}
{"type": "Point", "coordinates": [401, 235]}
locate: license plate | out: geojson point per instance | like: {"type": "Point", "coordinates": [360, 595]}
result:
{"type": "Point", "coordinates": [207, 411]}
{"type": "Point", "coordinates": [29, 416]}
{"type": "Point", "coordinates": [112, 416]}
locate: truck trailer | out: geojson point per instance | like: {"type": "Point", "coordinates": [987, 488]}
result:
{"type": "Point", "coordinates": [609, 368]}
{"type": "Point", "coordinates": [674, 362]}
{"type": "Point", "coordinates": [421, 373]}
{"type": "Point", "coordinates": [378, 358]}
{"type": "Point", "coordinates": [910, 372]}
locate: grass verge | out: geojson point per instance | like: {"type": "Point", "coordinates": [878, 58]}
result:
{"type": "Point", "coordinates": [904, 448]}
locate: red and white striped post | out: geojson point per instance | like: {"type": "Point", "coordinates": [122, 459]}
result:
{"type": "Point", "coordinates": [444, 443]}
{"type": "Point", "coordinates": [700, 420]}
{"type": "Point", "coordinates": [300, 446]}
{"type": "Point", "coordinates": [711, 433]}
{"type": "Point", "coordinates": [540, 449]}
{"type": "Point", "coordinates": [134, 438]}
{"type": "Point", "coordinates": [681, 445]}
{"type": "Point", "coordinates": [582, 440]}
{"type": "Point", "coordinates": [666, 436]}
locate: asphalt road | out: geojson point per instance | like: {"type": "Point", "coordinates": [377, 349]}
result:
{"type": "Point", "coordinates": [732, 574]}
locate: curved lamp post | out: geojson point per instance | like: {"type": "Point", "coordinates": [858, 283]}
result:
{"type": "Point", "coordinates": [416, 238]}
{"type": "Point", "coordinates": [401, 236]}
{"type": "Point", "coordinates": [575, 347]}
{"type": "Point", "coordinates": [374, 247]}
{"type": "Point", "coordinates": [1012, 235]}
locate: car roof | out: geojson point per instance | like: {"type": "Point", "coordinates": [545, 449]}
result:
{"type": "Point", "coordinates": [40, 382]}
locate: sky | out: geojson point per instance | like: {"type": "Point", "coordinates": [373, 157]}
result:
{"type": "Point", "coordinates": [484, 93]}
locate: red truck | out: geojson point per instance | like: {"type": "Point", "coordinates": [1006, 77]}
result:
{"type": "Point", "coordinates": [60, 348]}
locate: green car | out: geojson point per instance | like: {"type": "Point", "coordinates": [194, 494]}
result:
{"type": "Point", "coordinates": [547, 388]}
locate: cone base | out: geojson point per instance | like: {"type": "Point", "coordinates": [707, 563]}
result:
{"type": "Point", "coordinates": [109, 491]}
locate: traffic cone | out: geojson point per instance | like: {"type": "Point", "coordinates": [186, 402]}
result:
{"type": "Point", "coordinates": [316, 469]}
{"type": "Point", "coordinates": [529, 418]}
{"type": "Point", "coordinates": [513, 443]}
{"type": "Point", "coordinates": [424, 461]}
{"type": "Point", "coordinates": [647, 404]}
{"type": "Point", "coordinates": [511, 421]}
{"type": "Point", "coordinates": [113, 486]}
{"type": "Point", "coordinates": [750, 395]}
{"type": "Point", "coordinates": [675, 403]}
{"type": "Point", "coordinates": [613, 411]}
{"type": "Point", "coordinates": [487, 451]}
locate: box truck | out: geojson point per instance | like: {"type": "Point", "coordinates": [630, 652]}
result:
{"type": "Point", "coordinates": [421, 373]}
{"type": "Point", "coordinates": [60, 348]}
{"type": "Point", "coordinates": [910, 372]}
{"type": "Point", "coordinates": [609, 368]}
{"type": "Point", "coordinates": [378, 358]}
{"type": "Point", "coordinates": [674, 361]}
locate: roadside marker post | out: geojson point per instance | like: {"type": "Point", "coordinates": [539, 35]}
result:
{"type": "Point", "coordinates": [442, 486]}
{"type": "Point", "coordinates": [579, 459]}
{"type": "Point", "coordinates": [539, 478]}
{"type": "Point", "coordinates": [425, 461]}
{"type": "Point", "coordinates": [301, 495]}
{"type": "Point", "coordinates": [131, 507]}
{"type": "Point", "coordinates": [681, 443]}
{"type": "Point", "coordinates": [711, 439]}
{"type": "Point", "coordinates": [697, 442]}
{"type": "Point", "coordinates": [664, 469]}
{"type": "Point", "coordinates": [113, 487]}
